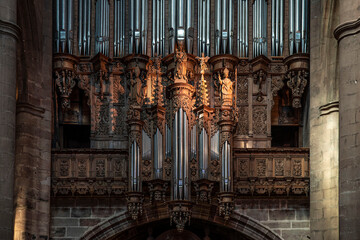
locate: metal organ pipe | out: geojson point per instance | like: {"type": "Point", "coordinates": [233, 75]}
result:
{"type": "Point", "coordinates": [135, 167]}
{"type": "Point", "coordinates": [158, 154]}
{"type": "Point", "coordinates": [226, 167]}
{"type": "Point", "coordinates": [181, 156]}
{"type": "Point", "coordinates": [204, 153]}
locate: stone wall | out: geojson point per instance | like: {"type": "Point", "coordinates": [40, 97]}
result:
{"type": "Point", "coordinates": [72, 217]}
{"type": "Point", "coordinates": [324, 120]}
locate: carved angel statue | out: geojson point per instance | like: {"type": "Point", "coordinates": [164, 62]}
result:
{"type": "Point", "coordinates": [226, 88]}
{"type": "Point", "coordinates": [180, 65]}
{"type": "Point", "coordinates": [135, 81]}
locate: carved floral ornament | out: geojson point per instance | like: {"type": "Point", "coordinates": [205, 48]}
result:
{"type": "Point", "coordinates": [297, 81]}
{"type": "Point", "coordinates": [64, 79]}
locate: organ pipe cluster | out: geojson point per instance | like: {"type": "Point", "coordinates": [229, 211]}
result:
{"type": "Point", "coordinates": [242, 29]}
{"type": "Point", "coordinates": [203, 153]}
{"type": "Point", "coordinates": [138, 12]}
{"type": "Point", "coordinates": [64, 26]}
{"type": "Point", "coordinates": [181, 156]}
{"type": "Point", "coordinates": [277, 27]}
{"type": "Point", "coordinates": [84, 28]}
{"type": "Point", "coordinates": [119, 28]}
{"type": "Point", "coordinates": [203, 27]}
{"type": "Point", "coordinates": [181, 28]}
{"type": "Point", "coordinates": [223, 26]}
{"type": "Point", "coordinates": [298, 26]}
{"type": "Point", "coordinates": [102, 27]}
{"type": "Point", "coordinates": [259, 28]}
{"type": "Point", "coordinates": [158, 28]}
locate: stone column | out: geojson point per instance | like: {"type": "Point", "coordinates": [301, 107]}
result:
{"type": "Point", "coordinates": [324, 123]}
{"type": "Point", "coordinates": [8, 38]}
{"type": "Point", "coordinates": [348, 36]}
{"type": "Point", "coordinates": [33, 121]}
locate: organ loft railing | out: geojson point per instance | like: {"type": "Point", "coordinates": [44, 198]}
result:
{"type": "Point", "coordinates": [138, 115]}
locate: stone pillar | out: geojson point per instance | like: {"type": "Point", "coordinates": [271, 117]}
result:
{"type": "Point", "coordinates": [348, 36]}
{"type": "Point", "coordinates": [324, 122]}
{"type": "Point", "coordinates": [33, 121]}
{"type": "Point", "coordinates": [9, 32]}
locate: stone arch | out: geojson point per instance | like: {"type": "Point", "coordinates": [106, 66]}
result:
{"type": "Point", "coordinates": [113, 227]}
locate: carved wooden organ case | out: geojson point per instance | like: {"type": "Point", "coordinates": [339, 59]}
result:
{"type": "Point", "coordinates": [185, 122]}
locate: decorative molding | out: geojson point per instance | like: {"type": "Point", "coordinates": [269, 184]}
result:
{"type": "Point", "coordinates": [329, 108]}
{"type": "Point", "coordinates": [11, 29]}
{"type": "Point", "coordinates": [30, 108]}
{"type": "Point", "coordinates": [347, 29]}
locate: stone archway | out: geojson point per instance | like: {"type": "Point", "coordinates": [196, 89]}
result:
{"type": "Point", "coordinates": [123, 227]}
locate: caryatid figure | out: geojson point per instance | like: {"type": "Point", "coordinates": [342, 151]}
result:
{"type": "Point", "coordinates": [136, 93]}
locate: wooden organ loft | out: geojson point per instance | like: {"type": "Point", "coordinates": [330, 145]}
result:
{"type": "Point", "coordinates": [180, 101]}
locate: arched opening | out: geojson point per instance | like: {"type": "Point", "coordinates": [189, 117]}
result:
{"type": "Point", "coordinates": [205, 224]}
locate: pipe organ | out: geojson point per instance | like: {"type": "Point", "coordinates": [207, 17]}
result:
{"type": "Point", "coordinates": [128, 80]}
{"type": "Point", "coordinates": [64, 26]}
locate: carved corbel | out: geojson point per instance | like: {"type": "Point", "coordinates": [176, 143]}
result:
{"type": "Point", "coordinates": [64, 79]}
{"type": "Point", "coordinates": [259, 79]}
{"type": "Point", "coordinates": [297, 81]}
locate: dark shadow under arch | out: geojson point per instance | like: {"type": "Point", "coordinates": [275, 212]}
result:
{"type": "Point", "coordinates": [123, 227]}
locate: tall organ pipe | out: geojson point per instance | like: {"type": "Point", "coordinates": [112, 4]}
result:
{"type": "Point", "coordinates": [226, 167]}
{"type": "Point", "coordinates": [64, 26]}
{"type": "Point", "coordinates": [158, 154]}
{"type": "Point", "coordinates": [204, 153]}
{"type": "Point", "coordinates": [135, 167]}
{"type": "Point", "coordinates": [181, 156]}
{"type": "Point", "coordinates": [119, 28]}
